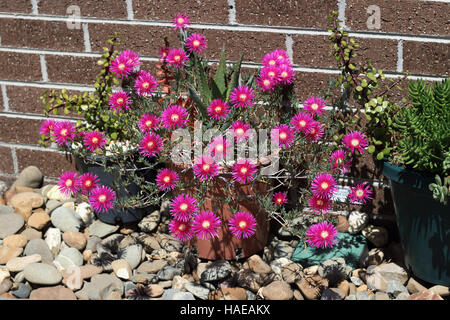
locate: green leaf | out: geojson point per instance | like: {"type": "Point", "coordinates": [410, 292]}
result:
{"type": "Point", "coordinates": [380, 156]}
{"type": "Point", "coordinates": [220, 77]}
{"type": "Point", "coordinates": [371, 149]}
{"type": "Point", "coordinates": [359, 88]}
{"type": "Point", "coordinates": [114, 135]}
{"type": "Point", "coordinates": [235, 77]}
{"type": "Point", "coordinates": [197, 101]}
{"type": "Point", "coordinates": [205, 92]}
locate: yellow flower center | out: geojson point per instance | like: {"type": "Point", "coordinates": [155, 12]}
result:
{"type": "Point", "coordinates": [148, 123]}
{"type": "Point", "coordinates": [94, 140]}
{"type": "Point", "coordinates": [177, 58]}
{"type": "Point", "coordinates": [150, 144]}
{"type": "Point", "coordinates": [206, 167]}
{"type": "Point", "coordinates": [145, 85]}
{"type": "Point", "coordinates": [121, 67]}
{"type": "Point", "coordinates": [283, 135]}
{"type": "Point", "coordinates": [266, 83]}
{"type": "Point", "coordinates": [314, 106]}
{"type": "Point", "coordinates": [196, 43]}
{"type": "Point", "coordinates": [284, 74]}
{"type": "Point", "coordinates": [88, 183]}
{"type": "Point", "coordinates": [219, 147]}
{"type": "Point", "coordinates": [240, 131]}
{"type": "Point", "coordinates": [359, 193]}
{"type": "Point", "coordinates": [166, 179]}
{"type": "Point", "coordinates": [324, 185]}
{"type": "Point", "coordinates": [271, 74]}
{"type": "Point", "coordinates": [102, 198]}
{"type": "Point", "coordinates": [181, 227]}
{"type": "Point", "coordinates": [119, 101]}
{"type": "Point", "coordinates": [175, 117]}
{"type": "Point", "coordinates": [272, 62]}
{"type": "Point", "coordinates": [183, 206]}
{"type": "Point", "coordinates": [302, 123]}
{"type": "Point", "coordinates": [324, 234]}
{"type": "Point", "coordinates": [319, 202]}
{"type": "Point", "coordinates": [206, 224]}
{"type": "Point", "coordinates": [180, 20]}
{"type": "Point", "coordinates": [64, 132]}
{"type": "Point", "coordinates": [242, 97]}
{"type": "Point", "coordinates": [279, 200]}
{"type": "Point", "coordinates": [355, 142]}
{"type": "Point", "coordinates": [218, 109]}
{"type": "Point", "coordinates": [242, 224]}
{"type": "Point", "coordinates": [69, 182]}
{"type": "Point", "coordinates": [244, 170]}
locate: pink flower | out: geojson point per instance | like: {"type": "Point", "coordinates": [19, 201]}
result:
{"type": "Point", "coordinates": [242, 225]}
{"type": "Point", "coordinates": [205, 168]}
{"type": "Point", "coordinates": [125, 63]}
{"type": "Point", "coordinates": [148, 122]}
{"type": "Point", "coordinates": [284, 134]}
{"type": "Point", "coordinates": [180, 21]}
{"type": "Point", "coordinates": [314, 132]}
{"type": "Point", "coordinates": [181, 230]}
{"type": "Point", "coordinates": [150, 144]}
{"type": "Point", "coordinates": [218, 109]}
{"type": "Point", "coordinates": [63, 132]}
{"type": "Point", "coordinates": [244, 171]}
{"type": "Point", "coordinates": [321, 235]}
{"type": "Point", "coordinates": [196, 42]}
{"type": "Point", "coordinates": [314, 105]}
{"type": "Point", "coordinates": [102, 199]}
{"type": "Point", "coordinates": [265, 83]}
{"type": "Point", "coordinates": [275, 58]}
{"type": "Point", "coordinates": [183, 207]}
{"type": "Point", "coordinates": [162, 53]}
{"type": "Point", "coordinates": [355, 140]}
{"type": "Point", "coordinates": [301, 122]}
{"type": "Point", "coordinates": [242, 97]}
{"type": "Point", "coordinates": [360, 194]}
{"type": "Point", "coordinates": [338, 161]}
{"type": "Point", "coordinates": [279, 198]}
{"type": "Point", "coordinates": [88, 181]}
{"type": "Point", "coordinates": [119, 101]}
{"type": "Point", "coordinates": [324, 185]}
{"type": "Point", "coordinates": [319, 205]}
{"type": "Point", "coordinates": [167, 179]}
{"type": "Point", "coordinates": [68, 183]}
{"type": "Point", "coordinates": [240, 131]}
{"type": "Point", "coordinates": [47, 127]}
{"type": "Point", "coordinates": [94, 140]}
{"type": "Point", "coordinates": [206, 225]}
{"type": "Point", "coordinates": [286, 74]}
{"type": "Point", "coordinates": [145, 83]}
{"type": "Point", "coordinates": [281, 56]}
{"type": "Point", "coordinates": [174, 117]}
{"type": "Point", "coordinates": [177, 58]}
{"type": "Point", "coordinates": [270, 73]}
{"type": "Point", "coordinates": [218, 147]}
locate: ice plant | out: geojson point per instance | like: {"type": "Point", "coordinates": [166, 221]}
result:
{"type": "Point", "coordinates": [167, 179]}
{"type": "Point", "coordinates": [150, 145]}
{"type": "Point", "coordinates": [286, 74]}
{"type": "Point", "coordinates": [360, 194]}
{"type": "Point", "coordinates": [68, 183]}
{"type": "Point", "coordinates": [218, 147]}
{"type": "Point", "coordinates": [174, 117]}
{"type": "Point", "coordinates": [265, 83]}
{"type": "Point", "coordinates": [239, 131]}
{"type": "Point", "coordinates": [218, 109]}
{"type": "Point", "coordinates": [180, 21]}
{"type": "Point", "coordinates": [119, 101]}
{"type": "Point", "coordinates": [94, 140]}
{"type": "Point", "coordinates": [339, 162]}
{"type": "Point", "coordinates": [319, 205]}
{"type": "Point", "coordinates": [145, 83]}
{"type": "Point", "coordinates": [181, 230]}
{"type": "Point", "coordinates": [206, 225]}
{"type": "Point", "coordinates": [177, 58]}
{"type": "Point", "coordinates": [63, 132]}
{"type": "Point", "coordinates": [314, 132]}
{"type": "Point", "coordinates": [205, 168]}
{"type": "Point", "coordinates": [322, 235]}
{"type": "Point", "coordinates": [324, 185]}
{"type": "Point", "coordinates": [284, 134]}
{"type": "Point", "coordinates": [279, 198]}
{"type": "Point", "coordinates": [47, 127]}
{"type": "Point", "coordinates": [148, 122]}
{"type": "Point", "coordinates": [88, 181]}
{"type": "Point", "coordinates": [196, 42]}
{"type": "Point", "coordinates": [301, 122]}
{"type": "Point", "coordinates": [102, 199]}
{"type": "Point", "coordinates": [314, 105]}
{"type": "Point", "coordinates": [244, 171]}
{"type": "Point", "coordinates": [162, 53]}
{"type": "Point", "coordinates": [125, 63]}
{"type": "Point", "coordinates": [242, 225]}
{"type": "Point", "coordinates": [242, 97]}
{"type": "Point", "coordinates": [183, 207]}
{"type": "Point", "coordinates": [271, 73]}
{"type": "Point", "coordinates": [272, 59]}
{"type": "Point", "coordinates": [355, 140]}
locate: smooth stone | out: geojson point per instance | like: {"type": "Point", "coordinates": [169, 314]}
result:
{"type": "Point", "coordinates": [425, 295]}
{"type": "Point", "coordinates": [231, 294]}
{"type": "Point", "coordinates": [8, 253]}
{"type": "Point", "coordinates": [4, 274]}
{"type": "Point", "coordinates": [6, 209]}
{"type": "Point", "coordinates": [52, 293]}
{"type": "Point", "coordinates": [351, 297]}
{"type": "Point", "coordinates": [297, 295]}
{"type": "Point", "coordinates": [403, 296]}
{"type": "Point", "coordinates": [364, 295]}
{"type": "Point", "coordinates": [102, 285]}
{"type": "Point", "coordinates": [122, 269]}
{"type": "Point", "coordinates": [277, 290]}
{"type": "Point", "coordinates": [312, 287]}
{"type": "Point", "coordinates": [85, 212]}
{"type": "Point", "coordinates": [53, 240]}
{"type": "Point", "coordinates": [20, 277]}
{"type": "Point", "coordinates": [216, 271]}
{"type": "Point", "coordinates": [39, 220]}
{"type": "Point", "coordinates": [10, 224]}
{"type": "Point", "coordinates": [19, 263]}
{"type": "Point", "coordinates": [258, 265]}
{"type": "Point", "coordinates": [394, 288]}
{"type": "Point", "coordinates": [250, 280]}
{"type": "Point", "coordinates": [69, 257]}
{"type": "Point", "coordinates": [144, 278]}
{"type": "Point", "coordinates": [342, 225]}
{"type": "Point", "coordinates": [165, 284]}
{"type": "Point", "coordinates": [379, 295]}
{"type": "Point", "coordinates": [31, 233]}
{"type": "Point", "coordinates": [155, 290]}
{"type": "Point", "coordinates": [40, 247]}
{"type": "Point", "coordinates": [133, 255]}
{"type": "Point", "coordinates": [22, 292]}
{"type": "Point", "coordinates": [73, 277]}
{"type": "Point", "coordinates": [74, 239]}
{"type": "Point", "coordinates": [178, 282]}
{"type": "Point", "coordinates": [168, 272]}
{"type": "Point", "coordinates": [169, 294]}
{"type": "Point", "coordinates": [101, 229]}
{"type": "Point", "coordinates": [150, 222]}
{"type": "Point", "coordinates": [443, 291]}
{"type": "Point", "coordinates": [382, 274]}
{"type": "Point", "coordinates": [27, 199]}
{"type": "Point", "coordinates": [15, 240]}
{"type": "Point", "coordinates": [183, 296]}
{"type": "Point", "coordinates": [291, 272]}
{"type": "Point", "coordinates": [55, 194]}
{"type": "Point", "coordinates": [129, 285]}
{"type": "Point", "coordinates": [357, 221]}
{"type": "Point", "coordinates": [375, 257]}
{"type": "Point", "coordinates": [335, 270]}
{"type": "Point", "coordinates": [30, 177]}
{"type": "Point", "coordinates": [152, 266]}
{"type": "Point", "coordinates": [332, 294]}
{"type": "Point", "coordinates": [5, 285]}
{"type": "Point", "coordinates": [65, 219]}
{"type": "Point", "coordinates": [378, 236]}
{"type": "Point", "coordinates": [413, 286]}
{"type": "Point", "coordinates": [344, 286]}
{"type": "Point", "coordinates": [197, 290]}
{"type": "Point", "coordinates": [356, 281]}
{"type": "Point", "coordinates": [278, 264]}
{"type": "Point", "coordinates": [41, 273]}
{"type": "Point", "coordinates": [52, 205]}
{"type": "Point", "coordinates": [92, 243]}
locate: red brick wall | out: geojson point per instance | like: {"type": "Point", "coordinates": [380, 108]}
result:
{"type": "Point", "coordinates": [38, 51]}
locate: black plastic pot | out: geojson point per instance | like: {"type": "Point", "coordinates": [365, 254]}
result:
{"type": "Point", "coordinates": [117, 216]}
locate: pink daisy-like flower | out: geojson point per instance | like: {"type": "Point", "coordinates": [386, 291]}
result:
{"type": "Point", "coordinates": [125, 63]}
{"type": "Point", "coordinates": [360, 194]}
{"type": "Point", "coordinates": [180, 21]}
{"type": "Point", "coordinates": [102, 199]}
{"type": "Point", "coordinates": [319, 205]}
{"type": "Point", "coordinates": [239, 131]}
{"type": "Point", "coordinates": [167, 179]}
{"type": "Point", "coordinates": [68, 183]}
{"type": "Point", "coordinates": [271, 73]}
{"type": "Point", "coordinates": [218, 147]}
{"type": "Point", "coordinates": [265, 83]}
{"type": "Point", "coordinates": [196, 42]}
{"type": "Point", "coordinates": [301, 122]}
{"type": "Point", "coordinates": [205, 168]}
{"type": "Point", "coordinates": [206, 225]}
{"type": "Point", "coordinates": [148, 122]}
{"type": "Point", "coordinates": [271, 59]}
{"type": "Point", "coordinates": [47, 127]}
{"type": "Point", "coordinates": [286, 74]}
{"type": "Point", "coordinates": [314, 105]}
{"type": "Point", "coordinates": [285, 135]}
{"type": "Point", "coordinates": [94, 140]}
{"type": "Point", "coordinates": [218, 109]}
{"type": "Point", "coordinates": [314, 132]}
{"type": "Point", "coordinates": [177, 58]}
{"type": "Point", "coordinates": [338, 161]}
{"type": "Point", "coordinates": [63, 132]}
{"type": "Point", "coordinates": [324, 185]}
{"type": "Point", "coordinates": [242, 97]}
{"type": "Point", "coordinates": [355, 140]}
{"type": "Point", "coordinates": [281, 56]}
{"type": "Point", "coordinates": [181, 230]}
{"type": "Point", "coordinates": [119, 101]}
{"type": "Point", "coordinates": [242, 225]}
{"type": "Point", "coordinates": [150, 144]}
{"type": "Point", "coordinates": [88, 181]}
{"type": "Point", "coordinates": [280, 198]}
{"type": "Point", "coordinates": [145, 83]}
{"type": "Point", "coordinates": [174, 117]}
{"type": "Point", "coordinates": [162, 53]}
{"type": "Point", "coordinates": [183, 207]}
{"type": "Point", "coordinates": [321, 235]}
{"type": "Point", "coordinates": [244, 171]}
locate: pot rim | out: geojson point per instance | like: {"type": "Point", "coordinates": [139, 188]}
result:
{"type": "Point", "coordinates": [416, 179]}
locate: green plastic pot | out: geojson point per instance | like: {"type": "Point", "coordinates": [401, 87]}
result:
{"type": "Point", "coordinates": [423, 223]}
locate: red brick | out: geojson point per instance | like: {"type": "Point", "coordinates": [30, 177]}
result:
{"type": "Point", "coordinates": [215, 11]}
{"type": "Point", "coordinates": [426, 58]}
{"type": "Point", "coordinates": [20, 66]}
{"type": "Point", "coordinates": [16, 6]}
{"type": "Point", "coordinates": [6, 163]}
{"type": "Point", "coordinates": [88, 8]}
{"type": "Point", "coordinates": [69, 69]}
{"type": "Point", "coordinates": [2, 107]}
{"type": "Point", "coordinates": [307, 84]}
{"type": "Point", "coordinates": [51, 164]}
{"type": "Point", "coordinates": [296, 13]}
{"type": "Point", "coordinates": [16, 130]}
{"type": "Point", "coordinates": [401, 16]}
{"type": "Point", "coordinates": [40, 34]}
